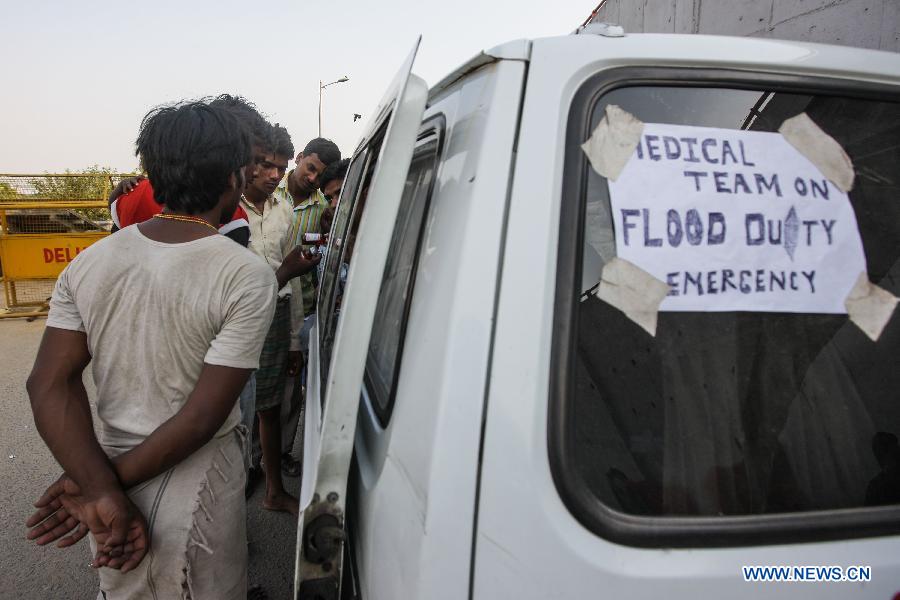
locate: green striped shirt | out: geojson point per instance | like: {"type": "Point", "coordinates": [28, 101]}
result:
{"type": "Point", "coordinates": [306, 220]}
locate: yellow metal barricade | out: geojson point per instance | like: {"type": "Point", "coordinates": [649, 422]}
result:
{"type": "Point", "coordinates": [45, 222]}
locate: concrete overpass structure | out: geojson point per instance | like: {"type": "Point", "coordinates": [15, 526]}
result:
{"type": "Point", "coordinates": [871, 24]}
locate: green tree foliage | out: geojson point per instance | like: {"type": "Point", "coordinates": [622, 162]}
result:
{"type": "Point", "coordinates": [92, 183]}
{"type": "Point", "coordinates": [7, 192]}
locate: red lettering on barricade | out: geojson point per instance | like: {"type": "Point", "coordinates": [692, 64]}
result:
{"type": "Point", "coordinates": [62, 255]}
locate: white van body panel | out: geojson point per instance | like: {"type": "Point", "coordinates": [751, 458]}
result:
{"type": "Point", "coordinates": [326, 470]}
{"type": "Point", "coordinates": [454, 498]}
{"type": "Point", "coordinates": [418, 477]}
{"type": "Point", "coordinates": [528, 544]}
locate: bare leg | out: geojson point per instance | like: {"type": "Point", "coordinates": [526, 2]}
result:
{"type": "Point", "coordinates": [270, 440]}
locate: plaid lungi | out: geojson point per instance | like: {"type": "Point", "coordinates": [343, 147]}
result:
{"type": "Point", "coordinates": [273, 361]}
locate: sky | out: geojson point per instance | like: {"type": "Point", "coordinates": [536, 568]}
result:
{"type": "Point", "coordinates": [78, 76]}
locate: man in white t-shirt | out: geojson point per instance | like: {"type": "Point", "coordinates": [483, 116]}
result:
{"type": "Point", "coordinates": [171, 316]}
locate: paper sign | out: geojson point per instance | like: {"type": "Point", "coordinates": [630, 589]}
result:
{"type": "Point", "coordinates": [735, 221]}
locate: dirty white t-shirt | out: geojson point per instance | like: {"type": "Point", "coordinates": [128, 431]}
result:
{"type": "Point", "coordinates": [154, 313]}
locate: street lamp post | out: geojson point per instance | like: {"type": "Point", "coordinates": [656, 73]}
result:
{"type": "Point", "coordinates": [322, 87]}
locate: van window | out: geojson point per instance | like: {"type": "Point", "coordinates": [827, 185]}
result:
{"type": "Point", "coordinates": [389, 328]}
{"type": "Point", "coordinates": [340, 249]}
{"type": "Point", "coordinates": [733, 413]}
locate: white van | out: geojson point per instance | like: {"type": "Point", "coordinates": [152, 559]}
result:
{"type": "Point", "coordinates": [608, 333]}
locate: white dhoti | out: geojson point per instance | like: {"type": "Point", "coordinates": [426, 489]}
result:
{"type": "Point", "coordinates": [196, 513]}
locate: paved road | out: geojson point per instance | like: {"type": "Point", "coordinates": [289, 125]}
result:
{"type": "Point", "coordinates": [28, 572]}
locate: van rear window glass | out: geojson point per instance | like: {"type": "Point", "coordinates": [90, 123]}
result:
{"type": "Point", "coordinates": [389, 327]}
{"type": "Point", "coordinates": [750, 411]}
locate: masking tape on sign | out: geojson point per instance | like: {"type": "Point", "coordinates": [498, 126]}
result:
{"type": "Point", "coordinates": [613, 142]}
{"type": "Point", "coordinates": [634, 291]}
{"type": "Point", "coordinates": [870, 307]}
{"type": "Point", "coordinates": [820, 149]}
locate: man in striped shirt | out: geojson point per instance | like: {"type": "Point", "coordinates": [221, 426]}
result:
{"type": "Point", "coordinates": [301, 188]}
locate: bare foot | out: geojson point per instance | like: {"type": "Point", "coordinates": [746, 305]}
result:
{"type": "Point", "coordinates": [282, 502]}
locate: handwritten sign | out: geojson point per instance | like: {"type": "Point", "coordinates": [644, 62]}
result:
{"type": "Point", "coordinates": [735, 221]}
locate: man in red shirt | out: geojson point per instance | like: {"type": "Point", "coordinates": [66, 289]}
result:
{"type": "Point", "coordinates": [138, 205]}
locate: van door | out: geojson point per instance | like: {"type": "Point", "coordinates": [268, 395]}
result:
{"type": "Point", "coordinates": [413, 491]}
{"type": "Point", "coordinates": [347, 299]}
{"type": "Point", "coordinates": [740, 429]}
